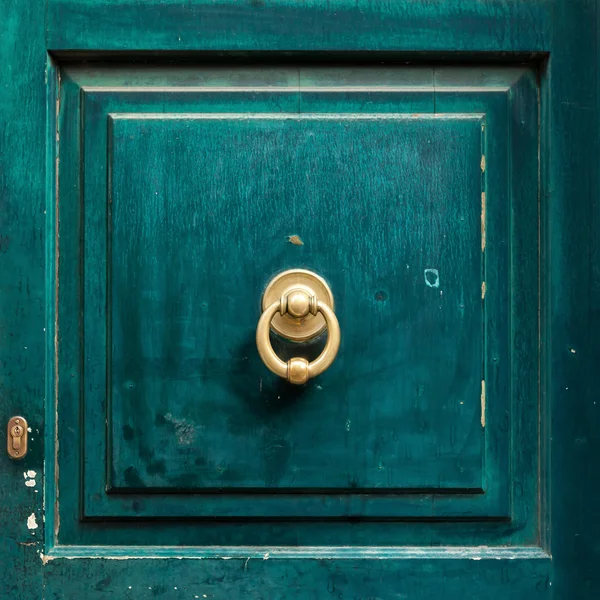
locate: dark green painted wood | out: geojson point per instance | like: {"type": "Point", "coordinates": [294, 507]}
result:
{"type": "Point", "coordinates": [568, 32]}
{"type": "Point", "coordinates": [182, 361]}
{"type": "Point", "coordinates": [300, 578]}
{"type": "Point", "coordinates": [493, 85]}
{"type": "Point", "coordinates": [23, 290]}
{"type": "Point", "coordinates": [313, 25]}
{"type": "Point", "coordinates": [572, 195]}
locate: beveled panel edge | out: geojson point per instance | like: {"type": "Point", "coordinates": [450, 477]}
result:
{"type": "Point", "coordinates": [403, 78]}
{"type": "Point", "coordinates": [305, 552]}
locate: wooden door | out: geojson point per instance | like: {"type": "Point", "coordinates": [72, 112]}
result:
{"type": "Point", "coordinates": [435, 164]}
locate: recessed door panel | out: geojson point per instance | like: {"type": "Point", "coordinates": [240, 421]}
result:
{"type": "Point", "coordinates": [203, 208]}
{"type": "Point", "coordinates": [193, 189]}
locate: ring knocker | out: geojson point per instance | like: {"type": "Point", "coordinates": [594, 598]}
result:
{"type": "Point", "coordinates": [298, 305]}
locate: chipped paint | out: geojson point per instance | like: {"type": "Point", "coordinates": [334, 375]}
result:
{"type": "Point", "coordinates": [295, 240]}
{"type": "Point", "coordinates": [483, 163]}
{"type": "Point", "coordinates": [31, 522]}
{"type": "Point", "coordinates": [483, 208]}
{"type": "Point", "coordinates": [483, 402]}
{"type": "Point", "coordinates": [483, 289]}
{"type": "Point", "coordinates": [29, 478]}
{"type": "Point", "coordinates": [432, 278]}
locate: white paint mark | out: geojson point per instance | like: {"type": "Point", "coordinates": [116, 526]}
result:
{"type": "Point", "coordinates": [31, 473]}
{"type": "Point", "coordinates": [29, 429]}
{"type": "Point", "coordinates": [30, 483]}
{"type": "Point", "coordinates": [31, 522]}
{"type": "Point", "coordinates": [266, 556]}
{"type": "Point", "coordinates": [483, 290]}
{"type": "Point", "coordinates": [348, 423]}
{"type": "Point", "coordinates": [432, 278]}
{"type": "Point", "coordinates": [572, 350]}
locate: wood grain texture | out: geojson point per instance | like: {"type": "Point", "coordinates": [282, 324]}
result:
{"type": "Point", "coordinates": [285, 25]}
{"type": "Point", "coordinates": [23, 290]}
{"type": "Point", "coordinates": [285, 579]}
{"type": "Point", "coordinates": [404, 256]}
{"type": "Point", "coordinates": [326, 92]}
{"type": "Point", "coordinates": [572, 198]}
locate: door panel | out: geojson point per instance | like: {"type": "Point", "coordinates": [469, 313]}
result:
{"type": "Point", "coordinates": [104, 332]}
{"type": "Point", "coordinates": [193, 187]}
{"type": "Point", "coordinates": [183, 412]}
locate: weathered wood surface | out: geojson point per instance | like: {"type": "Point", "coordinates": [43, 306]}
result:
{"type": "Point", "coordinates": [566, 33]}
{"type": "Point", "coordinates": [23, 293]}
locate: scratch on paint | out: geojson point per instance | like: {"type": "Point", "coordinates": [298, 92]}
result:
{"type": "Point", "coordinates": [482, 290]}
{"type": "Point", "coordinates": [184, 430]}
{"type": "Point", "coordinates": [483, 163]}
{"type": "Point", "coordinates": [482, 221]}
{"type": "Point", "coordinates": [483, 402]}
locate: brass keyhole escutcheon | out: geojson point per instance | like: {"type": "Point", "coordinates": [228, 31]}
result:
{"type": "Point", "coordinates": [16, 439]}
{"type": "Point", "coordinates": [298, 305]}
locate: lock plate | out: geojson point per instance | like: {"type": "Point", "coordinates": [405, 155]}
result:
{"type": "Point", "coordinates": [16, 437]}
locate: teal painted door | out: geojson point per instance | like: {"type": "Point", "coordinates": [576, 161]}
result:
{"type": "Point", "coordinates": [436, 164]}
